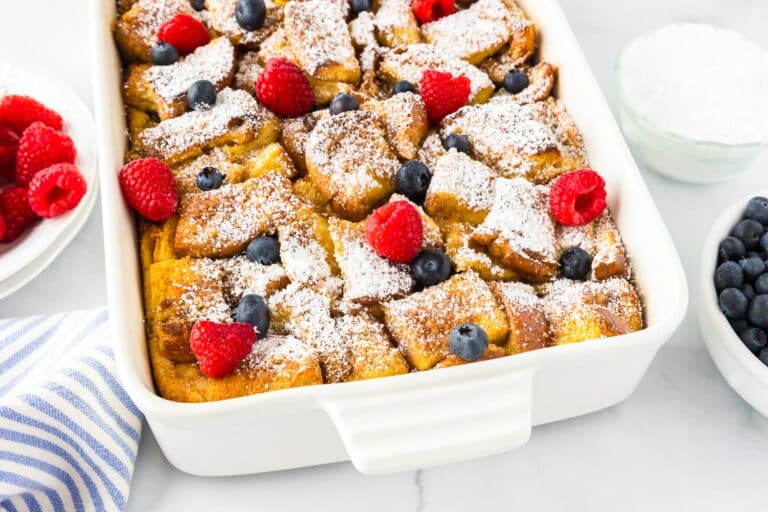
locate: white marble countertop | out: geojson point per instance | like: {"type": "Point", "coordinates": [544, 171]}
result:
{"type": "Point", "coordinates": [684, 438]}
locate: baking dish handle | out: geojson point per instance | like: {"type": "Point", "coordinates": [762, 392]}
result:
{"type": "Point", "coordinates": [434, 418]}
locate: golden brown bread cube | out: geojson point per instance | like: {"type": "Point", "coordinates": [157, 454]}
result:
{"type": "Point", "coordinates": [236, 118]}
{"type": "Point", "coordinates": [181, 292]}
{"type": "Point", "coordinates": [461, 189]}
{"type": "Point", "coordinates": [306, 248]}
{"type": "Point", "coordinates": [467, 256]}
{"type": "Point", "coordinates": [541, 81]}
{"type": "Point", "coordinates": [492, 352]}
{"type": "Point", "coordinates": [579, 311]}
{"type": "Point", "coordinates": [600, 238]}
{"type": "Point", "coordinates": [163, 89]}
{"type": "Point", "coordinates": [395, 23]}
{"type": "Point", "coordinates": [421, 322]}
{"type": "Point", "coordinates": [221, 18]}
{"type": "Point", "coordinates": [318, 37]}
{"type": "Point", "coordinates": [519, 229]}
{"type": "Point", "coordinates": [294, 134]}
{"type": "Point", "coordinates": [350, 162]}
{"type": "Point", "coordinates": [271, 159]}
{"type": "Point", "coordinates": [242, 276]}
{"type": "Point", "coordinates": [136, 29]}
{"type": "Point", "coordinates": [186, 173]}
{"type": "Point", "coordinates": [528, 325]}
{"type": "Point", "coordinates": [373, 355]}
{"type": "Point", "coordinates": [405, 120]}
{"type": "Point", "coordinates": [277, 362]}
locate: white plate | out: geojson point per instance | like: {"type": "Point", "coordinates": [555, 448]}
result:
{"type": "Point", "coordinates": [42, 241]}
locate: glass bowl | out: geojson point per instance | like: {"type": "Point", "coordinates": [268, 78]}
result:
{"type": "Point", "coordinates": [676, 156]}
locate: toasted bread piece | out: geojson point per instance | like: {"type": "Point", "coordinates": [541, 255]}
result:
{"type": "Point", "coordinates": [221, 18]}
{"type": "Point", "coordinates": [491, 25]}
{"type": "Point", "coordinates": [222, 222]}
{"type": "Point", "coordinates": [295, 132]}
{"type": "Point", "coordinates": [305, 189]}
{"type": "Point", "coordinates": [137, 121]}
{"type": "Point", "coordinates": [244, 277]}
{"type": "Point", "coordinates": [306, 313]}
{"type": "Point", "coordinates": [181, 292]}
{"type": "Point", "coordinates": [271, 159]}
{"type": "Point", "coordinates": [528, 325]}
{"type": "Point", "coordinates": [431, 149]}
{"type": "Point", "coordinates": [405, 121]}
{"type": "Point", "coordinates": [249, 67]}
{"type": "Point", "coordinates": [186, 173]}
{"type": "Point", "coordinates": [541, 81]}
{"type": "Point", "coordinates": [410, 62]}
{"type": "Point", "coordinates": [421, 322]}
{"type": "Point", "coordinates": [395, 24]}
{"type": "Point", "coordinates": [163, 89]}
{"type": "Point", "coordinates": [277, 362]}
{"type": "Point", "coordinates": [368, 278]}
{"type": "Point", "coordinates": [433, 235]}
{"type": "Point", "coordinates": [579, 311]}
{"type": "Point", "coordinates": [519, 140]}
{"type": "Point", "coordinates": [157, 241]}
{"type": "Point", "coordinates": [467, 256]}
{"type": "Point", "coordinates": [350, 162]}
{"type": "Point", "coordinates": [519, 229]}
{"type": "Point", "coordinates": [306, 248]}
{"type": "Point", "coordinates": [136, 29]}
{"type": "Point", "coordinates": [461, 189]}
{"type": "Point", "coordinates": [600, 238]}
{"type": "Point", "coordinates": [236, 118]}
{"type": "Point", "coordinates": [373, 355]}
{"type": "Point", "coordinates": [492, 352]}
{"type": "Point", "coordinates": [319, 39]}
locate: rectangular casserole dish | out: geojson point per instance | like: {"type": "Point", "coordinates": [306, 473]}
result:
{"type": "Point", "coordinates": [415, 420]}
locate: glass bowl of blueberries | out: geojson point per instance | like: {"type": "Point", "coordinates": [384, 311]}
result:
{"type": "Point", "coordinates": [733, 305]}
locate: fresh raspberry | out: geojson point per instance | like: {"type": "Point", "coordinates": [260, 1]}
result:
{"type": "Point", "coordinates": [431, 10]}
{"type": "Point", "coordinates": [443, 93]}
{"type": "Point", "coordinates": [9, 145]}
{"type": "Point", "coordinates": [2, 226]}
{"type": "Point", "coordinates": [577, 198]}
{"type": "Point", "coordinates": [18, 112]}
{"type": "Point", "coordinates": [284, 90]}
{"type": "Point", "coordinates": [14, 207]}
{"type": "Point", "coordinates": [220, 347]}
{"type": "Point", "coordinates": [149, 187]}
{"type": "Point", "coordinates": [184, 32]}
{"type": "Point", "coordinates": [56, 190]}
{"type": "Point", "coordinates": [40, 147]}
{"type": "Point", "coordinates": [395, 231]}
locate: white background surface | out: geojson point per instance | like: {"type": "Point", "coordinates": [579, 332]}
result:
{"type": "Point", "coordinates": [683, 439]}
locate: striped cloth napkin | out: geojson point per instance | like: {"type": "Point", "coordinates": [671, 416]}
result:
{"type": "Point", "coordinates": [68, 431]}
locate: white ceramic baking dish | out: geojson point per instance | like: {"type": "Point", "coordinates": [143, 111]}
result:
{"type": "Point", "coordinates": [415, 420]}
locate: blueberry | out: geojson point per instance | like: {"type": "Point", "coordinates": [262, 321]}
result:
{"type": "Point", "coordinates": [763, 356]}
{"type": "Point", "coordinates": [430, 267]}
{"type": "Point", "coordinates": [412, 180]}
{"type": "Point", "coordinates": [753, 254]}
{"type": "Point", "coordinates": [250, 14]}
{"type": "Point", "coordinates": [468, 341]}
{"type": "Point", "coordinates": [403, 86]}
{"type": "Point", "coordinates": [163, 54]}
{"type": "Point", "coordinates": [757, 209]}
{"type": "Point", "coordinates": [739, 325]}
{"type": "Point", "coordinates": [755, 339]}
{"type": "Point", "coordinates": [209, 179]}
{"type": "Point", "coordinates": [749, 291]}
{"type": "Point", "coordinates": [343, 103]}
{"type": "Point", "coordinates": [761, 284]}
{"type": "Point", "coordinates": [253, 310]}
{"type": "Point", "coordinates": [728, 275]}
{"type": "Point", "coordinates": [731, 248]}
{"type": "Point", "coordinates": [198, 5]}
{"type": "Point", "coordinates": [575, 263]}
{"type": "Point", "coordinates": [264, 250]}
{"type": "Point", "coordinates": [758, 311]}
{"type": "Point", "coordinates": [515, 81]}
{"type": "Point", "coordinates": [359, 6]}
{"type": "Point", "coordinates": [749, 231]}
{"type": "Point", "coordinates": [752, 267]}
{"type": "Point", "coordinates": [734, 304]}
{"type": "Point", "coordinates": [458, 142]}
{"type": "Point", "coordinates": [764, 243]}
{"type": "Point", "coordinates": [201, 95]}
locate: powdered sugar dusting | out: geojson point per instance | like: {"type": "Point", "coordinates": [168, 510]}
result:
{"type": "Point", "coordinates": [221, 14]}
{"type": "Point", "coordinates": [243, 276]}
{"type": "Point", "coordinates": [458, 176]}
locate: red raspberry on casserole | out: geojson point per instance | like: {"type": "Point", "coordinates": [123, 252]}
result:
{"type": "Point", "coordinates": [220, 347]}
{"type": "Point", "coordinates": [395, 231]}
{"type": "Point", "coordinates": [284, 89]}
{"type": "Point", "coordinates": [41, 146]}
{"type": "Point", "coordinates": [184, 32]}
{"type": "Point", "coordinates": [577, 198]}
{"type": "Point", "coordinates": [56, 190]}
{"type": "Point", "coordinates": [15, 209]}
{"type": "Point", "coordinates": [18, 112]}
{"type": "Point", "coordinates": [9, 145]}
{"type": "Point", "coordinates": [431, 10]}
{"type": "Point", "coordinates": [443, 93]}
{"type": "Point", "coordinates": [149, 186]}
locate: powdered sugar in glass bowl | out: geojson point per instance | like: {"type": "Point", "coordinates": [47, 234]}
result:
{"type": "Point", "coordinates": [693, 101]}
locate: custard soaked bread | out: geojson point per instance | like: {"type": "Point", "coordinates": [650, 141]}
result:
{"type": "Point", "coordinates": [343, 192]}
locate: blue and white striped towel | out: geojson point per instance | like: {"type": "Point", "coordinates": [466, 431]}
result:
{"type": "Point", "coordinates": [68, 431]}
